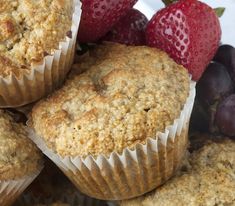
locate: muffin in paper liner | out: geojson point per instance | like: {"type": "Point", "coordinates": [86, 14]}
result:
{"type": "Point", "coordinates": [206, 177]}
{"type": "Point", "coordinates": [44, 77]}
{"type": "Point", "coordinates": [10, 190]}
{"type": "Point", "coordinates": [135, 171]}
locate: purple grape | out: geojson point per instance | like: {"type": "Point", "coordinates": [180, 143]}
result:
{"type": "Point", "coordinates": [225, 116]}
{"type": "Point", "coordinates": [226, 56]}
{"type": "Point", "coordinates": [214, 85]}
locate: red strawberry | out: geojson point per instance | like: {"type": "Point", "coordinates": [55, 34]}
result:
{"type": "Point", "coordinates": [129, 30]}
{"type": "Point", "coordinates": [99, 16]}
{"type": "Point", "coordinates": [189, 31]}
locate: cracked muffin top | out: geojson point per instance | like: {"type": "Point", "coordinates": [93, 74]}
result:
{"type": "Point", "coordinates": [19, 157]}
{"type": "Point", "coordinates": [209, 180]}
{"type": "Point", "coordinates": [125, 95]}
{"type": "Point", "coordinates": [29, 31]}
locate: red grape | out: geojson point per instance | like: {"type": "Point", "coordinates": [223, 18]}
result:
{"type": "Point", "coordinates": [226, 56]}
{"type": "Point", "coordinates": [225, 116]}
{"type": "Point", "coordinates": [214, 85]}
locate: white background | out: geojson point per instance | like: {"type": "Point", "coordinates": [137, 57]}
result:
{"type": "Point", "coordinates": [149, 7]}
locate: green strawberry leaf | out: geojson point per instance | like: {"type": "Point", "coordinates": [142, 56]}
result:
{"type": "Point", "coordinates": [219, 11]}
{"type": "Point", "coordinates": [167, 2]}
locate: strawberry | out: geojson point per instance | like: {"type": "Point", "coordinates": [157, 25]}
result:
{"type": "Point", "coordinates": [129, 30]}
{"type": "Point", "coordinates": [189, 31]}
{"type": "Point", "coordinates": [99, 16]}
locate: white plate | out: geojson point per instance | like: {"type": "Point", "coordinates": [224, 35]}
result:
{"type": "Point", "coordinates": [149, 7]}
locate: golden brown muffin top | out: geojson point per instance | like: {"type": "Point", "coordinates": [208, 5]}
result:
{"type": "Point", "coordinates": [30, 30]}
{"type": "Point", "coordinates": [209, 181]}
{"type": "Point", "coordinates": [19, 157]}
{"type": "Point", "coordinates": [126, 95]}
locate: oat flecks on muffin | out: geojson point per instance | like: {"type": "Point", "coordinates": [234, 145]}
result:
{"type": "Point", "coordinates": [29, 30]}
{"type": "Point", "coordinates": [210, 181]}
{"type": "Point", "coordinates": [19, 157]}
{"type": "Point", "coordinates": [127, 95]}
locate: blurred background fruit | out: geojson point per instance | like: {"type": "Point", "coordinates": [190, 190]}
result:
{"type": "Point", "coordinates": [99, 16]}
{"type": "Point", "coordinates": [130, 30]}
{"type": "Point", "coordinates": [214, 85]}
{"type": "Point", "coordinates": [149, 8]}
{"type": "Point", "coordinates": [189, 31]}
{"type": "Point", "coordinates": [225, 116]}
{"type": "Point", "coordinates": [226, 56]}
{"type": "Point", "coordinates": [214, 109]}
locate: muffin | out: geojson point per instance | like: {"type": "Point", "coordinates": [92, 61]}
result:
{"type": "Point", "coordinates": [209, 181]}
{"type": "Point", "coordinates": [35, 53]}
{"type": "Point", "coordinates": [124, 118]}
{"type": "Point", "coordinates": [20, 160]}
{"type": "Point", "coordinates": [52, 186]}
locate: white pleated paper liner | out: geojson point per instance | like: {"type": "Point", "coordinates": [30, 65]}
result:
{"type": "Point", "coordinates": [43, 78]}
{"type": "Point", "coordinates": [10, 190]}
{"type": "Point", "coordinates": [109, 203]}
{"type": "Point", "coordinates": [134, 172]}
{"type": "Point", "coordinates": [73, 200]}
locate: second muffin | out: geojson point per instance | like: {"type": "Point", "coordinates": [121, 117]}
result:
{"type": "Point", "coordinates": [37, 42]}
{"type": "Point", "coordinates": [20, 160]}
{"type": "Point", "coordinates": [124, 119]}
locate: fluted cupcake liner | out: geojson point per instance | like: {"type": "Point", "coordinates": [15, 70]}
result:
{"type": "Point", "coordinates": [134, 171]}
{"type": "Point", "coordinates": [45, 77]}
{"type": "Point", "coordinates": [10, 190]}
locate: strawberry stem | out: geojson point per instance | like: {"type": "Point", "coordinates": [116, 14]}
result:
{"type": "Point", "coordinates": [167, 2]}
{"type": "Point", "coordinates": [219, 11]}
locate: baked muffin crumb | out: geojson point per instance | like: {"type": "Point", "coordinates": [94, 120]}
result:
{"type": "Point", "coordinates": [126, 95]}
{"type": "Point", "coordinates": [19, 157]}
{"type": "Point", "coordinates": [210, 180]}
{"type": "Point", "coordinates": [29, 30]}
